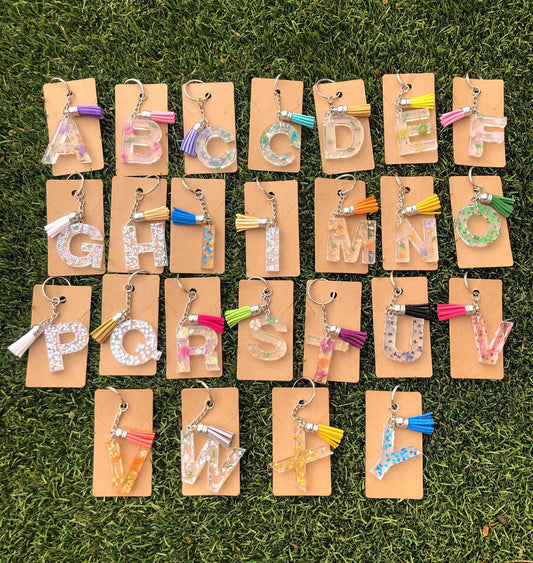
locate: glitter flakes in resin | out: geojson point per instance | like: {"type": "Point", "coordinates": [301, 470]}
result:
{"type": "Point", "coordinates": [479, 133]}
{"type": "Point", "coordinates": [491, 217]}
{"type": "Point", "coordinates": [66, 141]}
{"type": "Point", "coordinates": [279, 345]}
{"type": "Point", "coordinates": [363, 243]}
{"type": "Point", "coordinates": [389, 340]}
{"type": "Point", "coordinates": [489, 353]}
{"type": "Point", "coordinates": [202, 142]}
{"type": "Point", "coordinates": [95, 252]}
{"type": "Point", "coordinates": [354, 126]}
{"type": "Point", "coordinates": [149, 140]}
{"type": "Point", "coordinates": [390, 456]}
{"type": "Point", "coordinates": [413, 132]}
{"type": "Point", "coordinates": [281, 128]}
{"type": "Point", "coordinates": [208, 350]}
{"type": "Point", "coordinates": [208, 246]}
{"type": "Point", "coordinates": [325, 351]}
{"type": "Point", "coordinates": [272, 249]}
{"type": "Point", "coordinates": [405, 236]}
{"type": "Point", "coordinates": [123, 484]}
{"type": "Point", "coordinates": [132, 248]}
{"type": "Point", "coordinates": [143, 351]}
{"type": "Point", "coordinates": [55, 349]}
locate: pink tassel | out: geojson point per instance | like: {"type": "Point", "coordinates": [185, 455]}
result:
{"type": "Point", "coordinates": [453, 116]}
{"type": "Point", "coordinates": [138, 437]}
{"type": "Point", "coordinates": [446, 311]}
{"type": "Point", "coordinates": [216, 323]}
{"type": "Point", "coordinates": [353, 337]}
{"type": "Point", "coordinates": [160, 116]}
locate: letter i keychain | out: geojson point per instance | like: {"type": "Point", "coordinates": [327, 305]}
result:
{"type": "Point", "coordinates": [67, 227]}
{"type": "Point", "coordinates": [196, 140]}
{"type": "Point", "coordinates": [67, 139]}
{"type": "Point", "coordinates": [206, 326]}
{"type": "Point", "coordinates": [156, 218]}
{"type": "Point", "coordinates": [150, 135]}
{"type": "Point", "coordinates": [245, 222]}
{"type": "Point", "coordinates": [283, 127]}
{"type": "Point", "coordinates": [182, 217]}
{"type": "Point", "coordinates": [328, 345]}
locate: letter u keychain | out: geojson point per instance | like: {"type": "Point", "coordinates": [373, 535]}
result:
{"type": "Point", "coordinates": [182, 217]}
{"type": "Point", "coordinates": [478, 123]}
{"type": "Point", "coordinates": [298, 462]}
{"type": "Point", "coordinates": [485, 205]}
{"type": "Point", "coordinates": [486, 353]}
{"type": "Point", "coordinates": [197, 325]}
{"type": "Point", "coordinates": [389, 456]}
{"type": "Point", "coordinates": [52, 331]}
{"type": "Point", "coordinates": [338, 234]}
{"type": "Point", "coordinates": [156, 218]}
{"type": "Point", "coordinates": [123, 483]}
{"type": "Point", "coordinates": [246, 222]}
{"type": "Point", "coordinates": [120, 323]}
{"type": "Point", "coordinates": [328, 345]}
{"type": "Point", "coordinates": [345, 117]}
{"type": "Point", "coordinates": [262, 317]}
{"type": "Point", "coordinates": [196, 140]}
{"type": "Point", "coordinates": [67, 139]}
{"type": "Point", "coordinates": [411, 121]}
{"type": "Point", "coordinates": [67, 227]}
{"type": "Point", "coordinates": [151, 134]}
{"type": "Point", "coordinates": [192, 466]}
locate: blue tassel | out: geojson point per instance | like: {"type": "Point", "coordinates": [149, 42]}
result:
{"type": "Point", "coordinates": [181, 217]}
{"type": "Point", "coordinates": [305, 120]}
{"type": "Point", "coordinates": [188, 145]}
{"type": "Point", "coordinates": [421, 423]}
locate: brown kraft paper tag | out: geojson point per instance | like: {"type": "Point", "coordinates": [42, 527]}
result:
{"type": "Point", "coordinates": [499, 252]}
{"type": "Point", "coordinates": [415, 292]}
{"type": "Point", "coordinates": [207, 302]}
{"type": "Point", "coordinates": [139, 416]}
{"type": "Point", "coordinates": [344, 311]}
{"type": "Point", "coordinates": [55, 95]}
{"type": "Point", "coordinates": [404, 480]}
{"type": "Point", "coordinates": [77, 308]}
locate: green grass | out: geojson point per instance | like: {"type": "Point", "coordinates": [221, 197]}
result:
{"type": "Point", "coordinates": [478, 465]}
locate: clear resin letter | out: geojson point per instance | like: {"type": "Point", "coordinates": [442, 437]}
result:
{"type": "Point", "coordinates": [124, 483]}
{"type": "Point", "coordinates": [132, 248]}
{"type": "Point", "coordinates": [143, 352]}
{"type": "Point", "coordinates": [406, 235]}
{"type": "Point", "coordinates": [490, 216]}
{"type": "Point", "coordinates": [66, 140]}
{"type": "Point", "coordinates": [413, 132]}
{"type": "Point", "coordinates": [143, 133]}
{"type": "Point", "coordinates": [479, 134]}
{"type": "Point", "coordinates": [95, 252]}
{"type": "Point", "coordinates": [389, 456]}
{"type": "Point", "coordinates": [220, 162]}
{"type": "Point", "coordinates": [280, 346]}
{"type": "Point", "coordinates": [55, 349]}
{"type": "Point", "coordinates": [208, 247]}
{"type": "Point", "coordinates": [208, 350]}
{"type": "Point", "coordinates": [489, 353]}
{"type": "Point", "coordinates": [389, 340]}
{"type": "Point", "coordinates": [272, 249]}
{"type": "Point", "coordinates": [326, 348]}
{"type": "Point", "coordinates": [282, 128]}
{"type": "Point", "coordinates": [339, 239]}
{"type": "Point", "coordinates": [354, 126]}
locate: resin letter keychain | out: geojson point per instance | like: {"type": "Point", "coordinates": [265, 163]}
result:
{"type": "Point", "coordinates": [124, 483]}
{"type": "Point", "coordinates": [141, 131]}
{"type": "Point", "coordinates": [206, 326]}
{"type": "Point", "coordinates": [52, 331]}
{"type": "Point", "coordinates": [67, 227]}
{"type": "Point", "coordinates": [120, 324]}
{"type": "Point", "coordinates": [487, 353]}
{"type": "Point", "coordinates": [181, 217]}
{"type": "Point", "coordinates": [67, 138]}
{"type": "Point", "coordinates": [209, 455]}
{"type": "Point", "coordinates": [245, 222]}
{"type": "Point", "coordinates": [157, 245]}
{"type": "Point", "coordinates": [328, 345]}
{"type": "Point", "coordinates": [364, 241]}
{"type": "Point", "coordinates": [302, 456]}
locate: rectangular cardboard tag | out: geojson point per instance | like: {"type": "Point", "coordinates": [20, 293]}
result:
{"type": "Point", "coordinates": [404, 480]}
{"type": "Point", "coordinates": [353, 93]}
{"type": "Point", "coordinates": [248, 366]}
{"type": "Point", "coordinates": [77, 308]}
{"type": "Point", "coordinates": [126, 96]}
{"type": "Point", "coordinates": [490, 104]}
{"type": "Point", "coordinates": [421, 84]}
{"type": "Point", "coordinates": [219, 111]}
{"type": "Point", "coordinates": [415, 292]}
{"type": "Point", "coordinates": [326, 200]}
{"type": "Point", "coordinates": [419, 187]}
{"type": "Point", "coordinates": [60, 201]}
{"type": "Point", "coordinates": [55, 96]}
{"type": "Point", "coordinates": [207, 302]}
{"type": "Point", "coordinates": [256, 204]}
{"type": "Point", "coordinates": [122, 200]}
{"type": "Point", "coordinates": [317, 473]}
{"type": "Point", "coordinates": [344, 311]}
{"type": "Point", "coordinates": [225, 414]}
{"type": "Point", "coordinates": [499, 252]}
{"type": "Point", "coordinates": [263, 112]}
{"type": "Point", "coordinates": [139, 416]}
{"type": "Point", "coordinates": [186, 241]}
{"type": "Point", "coordinates": [463, 353]}
{"type": "Point", "coordinates": [144, 307]}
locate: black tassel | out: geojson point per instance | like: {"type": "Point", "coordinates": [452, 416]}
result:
{"type": "Point", "coordinates": [422, 311]}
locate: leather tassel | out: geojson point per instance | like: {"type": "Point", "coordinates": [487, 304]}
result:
{"type": "Point", "coordinates": [103, 332]}
{"type": "Point", "coordinates": [368, 205]}
{"type": "Point", "coordinates": [188, 145]}
{"type": "Point", "coordinates": [453, 116]}
{"type": "Point", "coordinates": [235, 316]}
{"type": "Point", "coordinates": [428, 206]}
{"type": "Point", "coordinates": [24, 342]}
{"type": "Point", "coordinates": [503, 205]}
{"type": "Point", "coordinates": [421, 423]}
{"type": "Point", "coordinates": [298, 118]}
{"type": "Point", "coordinates": [55, 227]}
{"type": "Point", "coordinates": [223, 437]}
{"type": "Point", "coordinates": [86, 111]}
{"type": "Point", "coordinates": [157, 214]}
{"type": "Point", "coordinates": [160, 116]}
{"type": "Point", "coordinates": [139, 437]}
{"type": "Point", "coordinates": [332, 436]}
{"type": "Point", "coordinates": [245, 222]}
{"type": "Point", "coordinates": [360, 110]}
{"type": "Point", "coordinates": [216, 323]}
{"type": "Point", "coordinates": [182, 217]}
{"type": "Point", "coordinates": [422, 311]}
{"type": "Point", "coordinates": [426, 101]}
{"type": "Point", "coordinates": [353, 337]}
{"type": "Point", "coordinates": [449, 311]}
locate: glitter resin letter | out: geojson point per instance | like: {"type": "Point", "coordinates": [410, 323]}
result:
{"type": "Point", "coordinates": [389, 456]}
{"type": "Point", "coordinates": [202, 142]}
{"type": "Point", "coordinates": [281, 128]}
{"type": "Point", "coordinates": [325, 352]}
{"type": "Point", "coordinates": [272, 249]}
{"type": "Point", "coordinates": [143, 352]}
{"type": "Point", "coordinates": [339, 239]}
{"type": "Point", "coordinates": [280, 346]}
{"type": "Point", "coordinates": [55, 349]}
{"type": "Point", "coordinates": [479, 134]}
{"type": "Point", "coordinates": [490, 216]}
{"type": "Point", "coordinates": [389, 340]}
{"type": "Point", "coordinates": [191, 467]}
{"type": "Point", "coordinates": [354, 126]}
{"type": "Point", "coordinates": [132, 248]}
{"type": "Point", "coordinates": [143, 133]}
{"type": "Point", "coordinates": [95, 252]}
{"type": "Point", "coordinates": [406, 235]}
{"type": "Point", "coordinates": [489, 353]}
{"type": "Point", "coordinates": [208, 349]}
{"type": "Point", "coordinates": [413, 132]}
{"type": "Point", "coordinates": [66, 140]}
{"type": "Point", "coordinates": [208, 247]}
{"type": "Point", "coordinates": [123, 484]}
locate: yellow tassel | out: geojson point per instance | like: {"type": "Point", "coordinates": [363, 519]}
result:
{"type": "Point", "coordinates": [425, 101]}
{"type": "Point", "coordinates": [159, 214]}
{"type": "Point", "coordinates": [361, 110]}
{"type": "Point", "coordinates": [429, 206]}
{"type": "Point", "coordinates": [332, 436]}
{"type": "Point", "coordinates": [103, 332]}
{"type": "Point", "coordinates": [244, 222]}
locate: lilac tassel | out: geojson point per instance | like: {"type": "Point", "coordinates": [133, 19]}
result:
{"type": "Point", "coordinates": [89, 111]}
{"type": "Point", "coordinates": [223, 437]}
{"type": "Point", "coordinates": [188, 145]}
{"type": "Point", "coordinates": [353, 337]}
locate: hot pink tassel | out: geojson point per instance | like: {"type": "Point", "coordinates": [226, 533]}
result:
{"type": "Point", "coordinates": [216, 323]}
{"type": "Point", "coordinates": [160, 116]}
{"type": "Point", "coordinates": [139, 437]}
{"type": "Point", "coordinates": [353, 337]}
{"type": "Point", "coordinates": [447, 311]}
{"type": "Point", "coordinates": [453, 116]}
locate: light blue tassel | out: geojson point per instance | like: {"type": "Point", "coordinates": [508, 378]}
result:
{"type": "Point", "coordinates": [421, 423]}
{"type": "Point", "coordinates": [181, 217]}
{"type": "Point", "coordinates": [305, 120]}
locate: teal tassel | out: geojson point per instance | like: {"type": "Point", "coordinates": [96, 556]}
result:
{"type": "Point", "coordinates": [503, 205]}
{"type": "Point", "coordinates": [305, 120]}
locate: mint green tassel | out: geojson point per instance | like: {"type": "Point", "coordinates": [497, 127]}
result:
{"type": "Point", "coordinates": [503, 205]}
{"type": "Point", "coordinates": [235, 316]}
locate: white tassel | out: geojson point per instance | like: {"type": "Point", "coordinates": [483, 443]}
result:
{"type": "Point", "coordinates": [22, 344]}
{"type": "Point", "coordinates": [55, 227]}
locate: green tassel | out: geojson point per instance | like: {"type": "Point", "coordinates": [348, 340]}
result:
{"type": "Point", "coordinates": [235, 316]}
{"type": "Point", "coordinates": [504, 205]}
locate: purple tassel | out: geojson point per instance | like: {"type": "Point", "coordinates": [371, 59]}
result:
{"type": "Point", "coordinates": [188, 145]}
{"type": "Point", "coordinates": [353, 337]}
{"type": "Point", "coordinates": [90, 111]}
